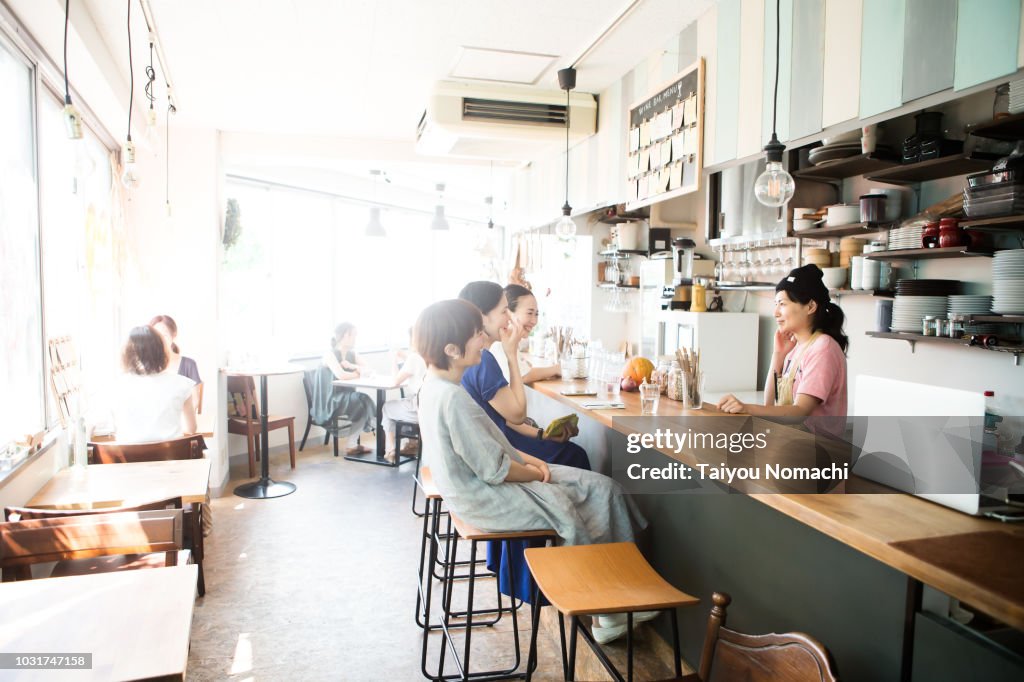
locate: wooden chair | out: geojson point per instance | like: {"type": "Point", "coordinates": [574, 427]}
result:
{"type": "Point", "coordinates": [731, 655]}
{"type": "Point", "coordinates": [70, 538]}
{"type": "Point", "coordinates": [248, 424]}
{"type": "Point", "coordinates": [185, 447]}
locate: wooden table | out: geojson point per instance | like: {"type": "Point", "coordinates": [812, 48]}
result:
{"type": "Point", "coordinates": [896, 529]}
{"type": "Point", "coordinates": [117, 485]}
{"type": "Point", "coordinates": [136, 624]}
{"type": "Point", "coordinates": [265, 487]}
{"type": "Point", "coordinates": [382, 384]}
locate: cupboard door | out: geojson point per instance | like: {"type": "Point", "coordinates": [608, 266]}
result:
{"type": "Point", "coordinates": [727, 99]}
{"type": "Point", "coordinates": [987, 33]}
{"type": "Point", "coordinates": [881, 56]}
{"type": "Point", "coordinates": [808, 67]}
{"type": "Point", "coordinates": [927, 59]}
{"type": "Point", "coordinates": [840, 90]}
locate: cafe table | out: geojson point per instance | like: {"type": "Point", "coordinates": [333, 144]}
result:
{"type": "Point", "coordinates": [382, 384]}
{"type": "Point", "coordinates": [264, 487]}
{"type": "Point", "coordinates": [133, 624]}
{"type": "Point", "coordinates": [125, 485]}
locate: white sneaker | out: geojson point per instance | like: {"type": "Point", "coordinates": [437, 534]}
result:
{"type": "Point", "coordinates": [615, 619]}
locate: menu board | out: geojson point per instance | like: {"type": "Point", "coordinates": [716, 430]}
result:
{"type": "Point", "coordinates": [666, 140]}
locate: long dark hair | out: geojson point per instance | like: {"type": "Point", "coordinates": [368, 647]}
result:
{"type": "Point", "coordinates": [484, 295]}
{"type": "Point", "coordinates": [805, 284]}
{"type": "Point", "coordinates": [172, 327]}
{"type": "Point", "coordinates": [514, 292]}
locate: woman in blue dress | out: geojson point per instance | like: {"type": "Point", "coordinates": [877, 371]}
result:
{"type": "Point", "coordinates": [504, 401]}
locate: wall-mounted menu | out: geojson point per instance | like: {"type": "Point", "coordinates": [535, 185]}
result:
{"type": "Point", "coordinates": [666, 140]}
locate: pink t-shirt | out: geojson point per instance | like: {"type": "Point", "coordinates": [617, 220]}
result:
{"type": "Point", "coordinates": [822, 375]}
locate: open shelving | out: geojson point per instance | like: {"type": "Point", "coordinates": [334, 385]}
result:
{"type": "Point", "coordinates": [934, 169]}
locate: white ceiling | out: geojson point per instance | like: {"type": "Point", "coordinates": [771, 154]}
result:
{"type": "Point", "coordinates": [361, 69]}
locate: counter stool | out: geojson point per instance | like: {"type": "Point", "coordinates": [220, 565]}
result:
{"type": "Point", "coordinates": [591, 580]}
{"type": "Point", "coordinates": [430, 561]}
{"type": "Point", "coordinates": [475, 536]}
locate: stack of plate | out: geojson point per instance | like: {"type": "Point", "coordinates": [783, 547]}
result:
{"type": "Point", "coordinates": [906, 237]}
{"type": "Point", "coordinates": [909, 311]}
{"type": "Point", "coordinates": [1008, 282]}
{"type": "Point", "coordinates": [973, 304]}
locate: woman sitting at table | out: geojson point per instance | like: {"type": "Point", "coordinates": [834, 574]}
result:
{"type": "Point", "coordinates": [166, 327]}
{"type": "Point", "coordinates": [151, 402]}
{"type": "Point", "coordinates": [346, 364]}
{"type": "Point", "coordinates": [504, 400]}
{"type": "Point", "coordinates": [522, 306]}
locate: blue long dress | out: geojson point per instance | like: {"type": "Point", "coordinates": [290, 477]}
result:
{"type": "Point", "coordinates": [483, 382]}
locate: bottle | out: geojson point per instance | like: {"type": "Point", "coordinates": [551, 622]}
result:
{"type": "Point", "coordinates": [81, 445]}
{"type": "Point", "coordinates": [676, 388]}
{"type": "Point", "coordinates": [990, 436]}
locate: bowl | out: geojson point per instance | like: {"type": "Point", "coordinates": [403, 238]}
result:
{"type": "Point", "coordinates": [835, 278]}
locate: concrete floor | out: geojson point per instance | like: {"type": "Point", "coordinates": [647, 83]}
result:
{"type": "Point", "coordinates": [320, 585]}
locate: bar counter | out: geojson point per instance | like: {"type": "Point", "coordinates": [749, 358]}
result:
{"type": "Point", "coordinates": [971, 559]}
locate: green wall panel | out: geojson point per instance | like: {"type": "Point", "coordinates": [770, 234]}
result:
{"type": "Point", "coordinates": [987, 33]}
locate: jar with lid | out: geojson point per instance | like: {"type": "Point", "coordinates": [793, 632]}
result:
{"type": "Point", "coordinates": [928, 325]}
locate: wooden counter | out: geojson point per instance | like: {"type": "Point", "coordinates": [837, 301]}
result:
{"type": "Point", "coordinates": [907, 533]}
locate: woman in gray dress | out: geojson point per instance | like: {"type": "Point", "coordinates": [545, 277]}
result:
{"type": "Point", "coordinates": [481, 476]}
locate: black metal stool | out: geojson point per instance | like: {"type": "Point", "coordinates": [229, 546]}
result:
{"type": "Point", "coordinates": [591, 580]}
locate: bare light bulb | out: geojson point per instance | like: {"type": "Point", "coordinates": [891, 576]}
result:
{"type": "Point", "coordinates": [565, 228]}
{"type": "Point", "coordinates": [130, 173]}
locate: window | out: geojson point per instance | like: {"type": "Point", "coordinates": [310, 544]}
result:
{"type": "Point", "coordinates": [302, 264]}
{"type": "Point", "coordinates": [21, 326]}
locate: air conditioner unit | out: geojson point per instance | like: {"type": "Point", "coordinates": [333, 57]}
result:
{"type": "Point", "coordinates": [494, 122]}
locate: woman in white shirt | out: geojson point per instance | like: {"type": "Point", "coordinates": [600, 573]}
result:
{"type": "Point", "coordinates": [151, 402]}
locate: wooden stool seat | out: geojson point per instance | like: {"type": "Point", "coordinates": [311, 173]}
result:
{"type": "Point", "coordinates": [468, 532]}
{"type": "Point", "coordinates": [586, 580]}
{"type": "Point", "coordinates": [430, 490]}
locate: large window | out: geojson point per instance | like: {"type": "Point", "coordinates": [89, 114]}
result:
{"type": "Point", "coordinates": [302, 264]}
{"type": "Point", "coordinates": [21, 326]}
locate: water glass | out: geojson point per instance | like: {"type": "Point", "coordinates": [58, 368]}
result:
{"type": "Point", "coordinates": [650, 394]}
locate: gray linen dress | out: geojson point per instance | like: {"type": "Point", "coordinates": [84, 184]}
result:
{"type": "Point", "coordinates": [469, 458]}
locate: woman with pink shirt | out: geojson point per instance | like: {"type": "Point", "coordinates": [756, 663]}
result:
{"type": "Point", "coordinates": [808, 368]}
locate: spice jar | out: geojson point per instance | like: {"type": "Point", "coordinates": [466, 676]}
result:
{"type": "Point", "coordinates": [928, 325]}
{"type": "Point", "coordinates": [950, 233]}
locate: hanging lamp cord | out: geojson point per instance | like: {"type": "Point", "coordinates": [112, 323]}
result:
{"type": "Point", "coordinates": [67, 91]}
{"type": "Point", "coordinates": [131, 73]}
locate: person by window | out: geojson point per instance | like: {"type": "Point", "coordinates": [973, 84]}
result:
{"type": "Point", "coordinates": [346, 364]}
{"type": "Point", "coordinates": [167, 328]}
{"type": "Point", "coordinates": [151, 402]}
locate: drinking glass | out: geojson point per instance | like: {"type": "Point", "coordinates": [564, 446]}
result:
{"type": "Point", "coordinates": [650, 395]}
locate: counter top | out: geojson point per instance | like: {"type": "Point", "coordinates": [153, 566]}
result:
{"type": "Point", "coordinates": [891, 528]}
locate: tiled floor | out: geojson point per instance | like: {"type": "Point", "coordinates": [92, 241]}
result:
{"type": "Point", "coordinates": [320, 585]}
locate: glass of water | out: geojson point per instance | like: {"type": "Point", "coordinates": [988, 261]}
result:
{"type": "Point", "coordinates": [649, 397]}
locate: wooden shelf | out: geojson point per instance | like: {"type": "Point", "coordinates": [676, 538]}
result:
{"type": "Point", "coordinates": [1006, 223]}
{"type": "Point", "coordinates": [841, 230]}
{"type": "Point", "coordinates": [848, 168]}
{"type": "Point", "coordinates": [1007, 128]}
{"type": "Point", "coordinates": [934, 169]}
{"type": "Point", "coordinates": [927, 254]}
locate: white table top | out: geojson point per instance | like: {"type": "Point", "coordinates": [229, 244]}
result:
{"type": "Point", "coordinates": [378, 381]}
{"type": "Point", "coordinates": [136, 624]}
{"type": "Point", "coordinates": [117, 485]}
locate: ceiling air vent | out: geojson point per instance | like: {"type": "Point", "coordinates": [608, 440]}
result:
{"type": "Point", "coordinates": [475, 109]}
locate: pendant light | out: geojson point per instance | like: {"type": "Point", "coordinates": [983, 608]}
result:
{"type": "Point", "coordinates": [565, 228]}
{"type": "Point", "coordinates": [374, 228]}
{"type": "Point", "coordinates": [774, 187]}
{"type": "Point", "coordinates": [130, 173]}
{"type": "Point", "coordinates": [171, 109]}
{"type": "Point", "coordinates": [72, 119]}
{"type": "Point", "coordinates": [439, 222]}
